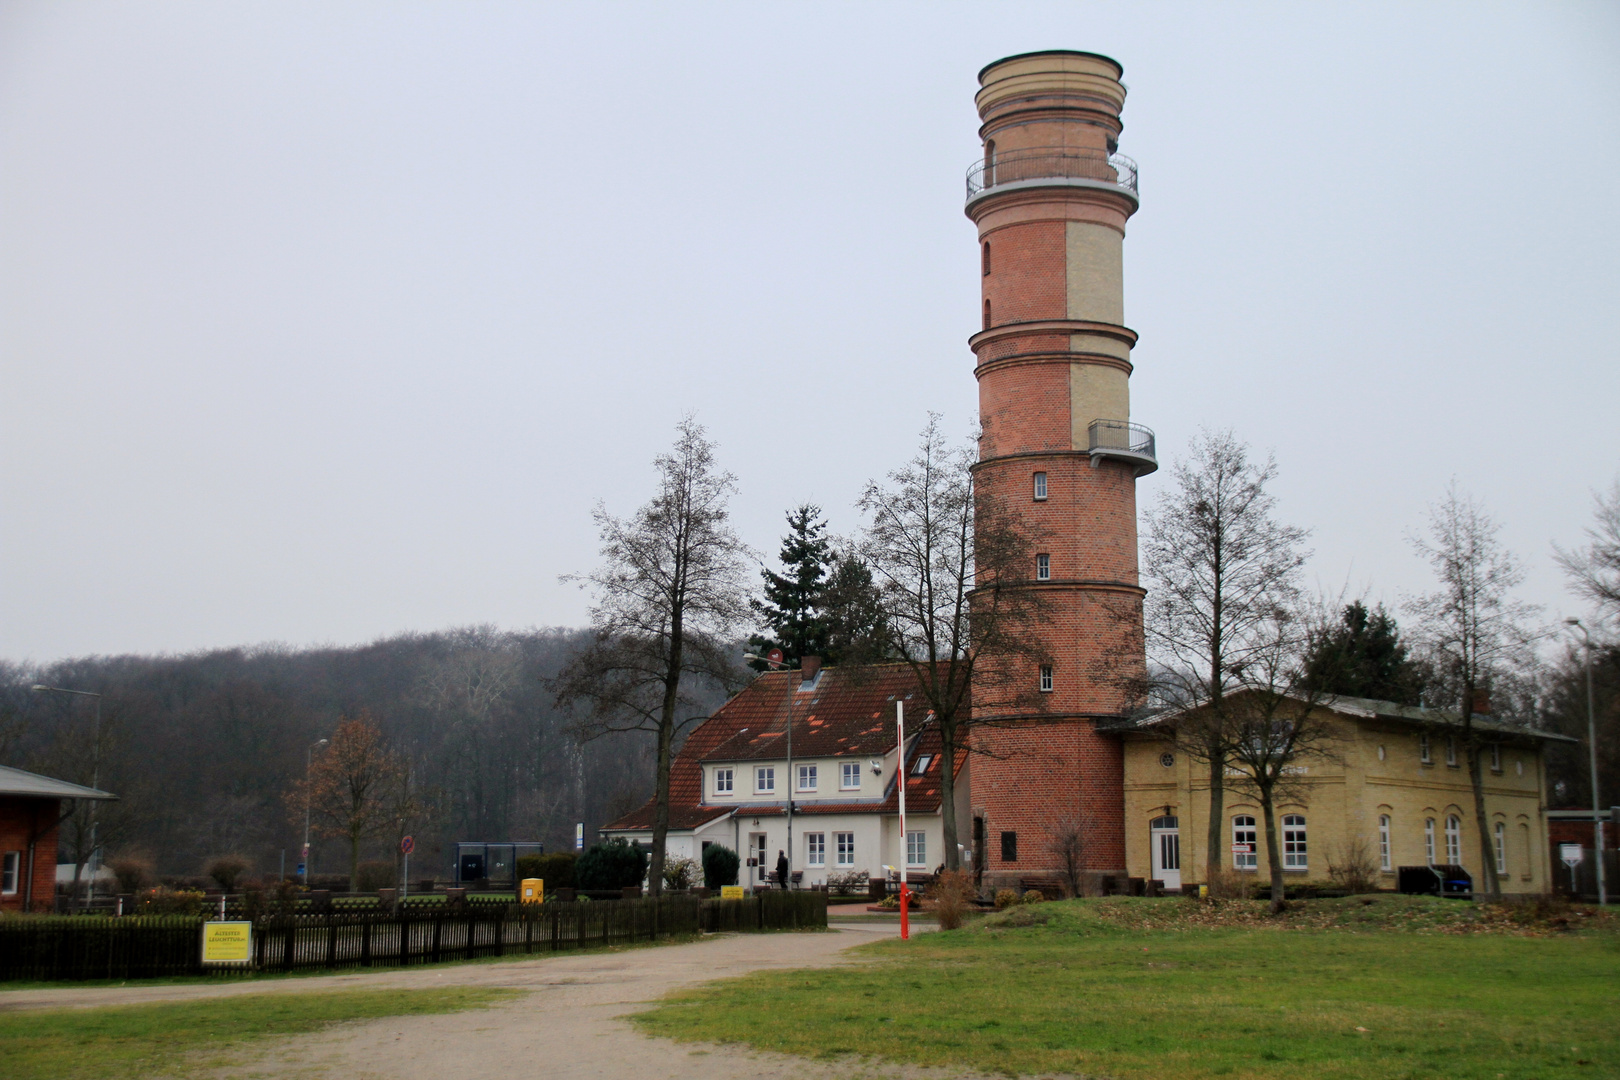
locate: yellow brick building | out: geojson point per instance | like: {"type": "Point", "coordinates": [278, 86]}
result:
{"type": "Point", "coordinates": [1393, 781]}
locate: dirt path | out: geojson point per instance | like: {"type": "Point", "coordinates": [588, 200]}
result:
{"type": "Point", "coordinates": [570, 1026]}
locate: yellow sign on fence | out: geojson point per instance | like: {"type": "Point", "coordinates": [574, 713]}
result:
{"type": "Point", "coordinates": [731, 892]}
{"type": "Point", "coordinates": [533, 890]}
{"type": "Point", "coordinates": [227, 943]}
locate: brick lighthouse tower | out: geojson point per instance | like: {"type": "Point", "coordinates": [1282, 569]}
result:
{"type": "Point", "coordinates": [1051, 198]}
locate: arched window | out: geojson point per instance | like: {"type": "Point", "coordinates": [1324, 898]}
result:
{"type": "Point", "coordinates": [1245, 849]}
{"type": "Point", "coordinates": [1501, 848]}
{"type": "Point", "coordinates": [1453, 840]}
{"type": "Point", "coordinates": [1384, 861]}
{"type": "Point", "coordinates": [987, 314]}
{"type": "Point", "coordinates": [989, 162]}
{"type": "Point", "coordinates": [1525, 860]}
{"type": "Point", "coordinates": [1294, 842]}
{"type": "Point", "coordinates": [1428, 839]}
{"type": "Point", "coordinates": [987, 258]}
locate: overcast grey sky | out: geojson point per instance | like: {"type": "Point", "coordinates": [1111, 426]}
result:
{"type": "Point", "coordinates": [320, 322]}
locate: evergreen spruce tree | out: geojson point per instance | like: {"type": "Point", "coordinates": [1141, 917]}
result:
{"type": "Point", "coordinates": [791, 605]}
{"type": "Point", "coordinates": [1363, 656]}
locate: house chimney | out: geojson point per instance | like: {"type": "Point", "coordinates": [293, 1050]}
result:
{"type": "Point", "coordinates": [809, 668]}
{"type": "Point", "coordinates": [1482, 702]}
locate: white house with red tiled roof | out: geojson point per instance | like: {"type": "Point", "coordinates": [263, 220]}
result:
{"type": "Point", "coordinates": [731, 780]}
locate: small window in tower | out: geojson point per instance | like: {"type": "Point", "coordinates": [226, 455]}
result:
{"type": "Point", "coordinates": [1046, 678]}
{"type": "Point", "coordinates": [1043, 567]}
{"type": "Point", "coordinates": [990, 163]}
{"type": "Point", "coordinates": [1009, 847]}
{"type": "Point", "coordinates": [987, 258]}
{"type": "Point", "coordinates": [1040, 487]}
{"type": "Point", "coordinates": [987, 314]}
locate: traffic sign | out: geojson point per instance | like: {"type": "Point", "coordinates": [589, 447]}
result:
{"type": "Point", "coordinates": [1571, 854]}
{"type": "Point", "coordinates": [407, 845]}
{"type": "Point", "coordinates": [579, 836]}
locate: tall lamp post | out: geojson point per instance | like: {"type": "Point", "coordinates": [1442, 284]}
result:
{"type": "Point", "coordinates": [1591, 743]}
{"type": "Point", "coordinates": [777, 661]}
{"type": "Point", "coordinates": [95, 769]}
{"type": "Point", "coordinates": [309, 752]}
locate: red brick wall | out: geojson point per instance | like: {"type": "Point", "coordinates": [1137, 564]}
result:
{"type": "Point", "coordinates": [18, 818]}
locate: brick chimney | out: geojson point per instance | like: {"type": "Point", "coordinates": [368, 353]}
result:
{"type": "Point", "coordinates": [1482, 702]}
{"type": "Point", "coordinates": [809, 668]}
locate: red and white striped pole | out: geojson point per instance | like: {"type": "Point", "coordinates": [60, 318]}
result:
{"type": "Point", "coordinates": [900, 759]}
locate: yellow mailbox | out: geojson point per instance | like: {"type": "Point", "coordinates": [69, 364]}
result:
{"type": "Point", "coordinates": [533, 891]}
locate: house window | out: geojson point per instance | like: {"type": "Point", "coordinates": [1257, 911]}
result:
{"type": "Point", "coordinates": [1009, 847]}
{"type": "Point", "coordinates": [807, 778]}
{"type": "Point", "coordinates": [1428, 839]}
{"type": "Point", "coordinates": [920, 766]}
{"type": "Point", "coordinates": [1043, 567]}
{"type": "Point", "coordinates": [1518, 767]}
{"type": "Point", "coordinates": [846, 848]}
{"type": "Point", "coordinates": [987, 258]}
{"type": "Point", "coordinates": [1293, 842]}
{"type": "Point", "coordinates": [1501, 848]}
{"type": "Point", "coordinates": [1244, 847]}
{"type": "Point", "coordinates": [722, 781]}
{"type": "Point", "coordinates": [765, 779]}
{"type": "Point", "coordinates": [1423, 750]}
{"type": "Point", "coordinates": [1046, 678]}
{"type": "Point", "coordinates": [815, 849]}
{"type": "Point", "coordinates": [1040, 487]}
{"type": "Point", "coordinates": [1380, 751]}
{"type": "Point", "coordinates": [916, 849]}
{"type": "Point", "coordinates": [1453, 840]}
{"type": "Point", "coordinates": [1496, 757]}
{"type": "Point", "coordinates": [1451, 751]}
{"type": "Point", "coordinates": [9, 872]}
{"type": "Point", "coordinates": [987, 314]}
{"type": "Point", "coordinates": [849, 776]}
{"type": "Point", "coordinates": [1384, 861]}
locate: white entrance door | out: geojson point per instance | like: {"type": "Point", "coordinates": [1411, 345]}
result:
{"type": "Point", "coordinates": [756, 842]}
{"type": "Point", "coordinates": [1165, 837]}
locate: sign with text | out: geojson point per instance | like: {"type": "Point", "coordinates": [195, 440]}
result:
{"type": "Point", "coordinates": [1572, 855]}
{"type": "Point", "coordinates": [227, 943]}
{"type": "Point", "coordinates": [731, 892]}
{"type": "Point", "coordinates": [579, 837]}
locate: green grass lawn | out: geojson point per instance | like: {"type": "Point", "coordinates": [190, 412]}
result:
{"type": "Point", "coordinates": [1400, 987]}
{"type": "Point", "coordinates": [191, 1037]}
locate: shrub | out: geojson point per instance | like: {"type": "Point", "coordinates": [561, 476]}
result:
{"type": "Point", "coordinates": [1033, 896]}
{"type": "Point", "coordinates": [1006, 898]}
{"type": "Point", "coordinates": [166, 901]}
{"type": "Point", "coordinates": [850, 881]}
{"type": "Point", "coordinates": [132, 872]}
{"type": "Point", "coordinates": [374, 874]}
{"type": "Point", "coordinates": [679, 872]}
{"type": "Point", "coordinates": [617, 864]}
{"type": "Point", "coordinates": [1228, 884]}
{"type": "Point", "coordinates": [226, 869]}
{"type": "Point", "coordinates": [1353, 866]}
{"type": "Point", "coordinates": [557, 870]}
{"type": "Point", "coordinates": [720, 866]}
{"type": "Point", "coordinates": [890, 902]}
{"type": "Point", "coordinates": [952, 893]}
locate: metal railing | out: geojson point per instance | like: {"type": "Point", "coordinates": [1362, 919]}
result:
{"type": "Point", "coordinates": [1012, 166]}
{"type": "Point", "coordinates": [1122, 438]}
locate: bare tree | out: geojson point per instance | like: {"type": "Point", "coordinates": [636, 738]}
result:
{"type": "Point", "coordinates": [1472, 630]}
{"type": "Point", "coordinates": [952, 569]}
{"type": "Point", "coordinates": [1594, 570]}
{"type": "Point", "coordinates": [670, 595]}
{"type": "Point", "coordinates": [349, 787]}
{"type": "Point", "coordinates": [1068, 839]}
{"type": "Point", "coordinates": [1219, 568]}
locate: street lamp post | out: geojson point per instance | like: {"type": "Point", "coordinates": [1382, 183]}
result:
{"type": "Point", "coordinates": [95, 770]}
{"type": "Point", "coordinates": [783, 664]}
{"type": "Point", "coordinates": [309, 752]}
{"type": "Point", "coordinates": [1591, 743]}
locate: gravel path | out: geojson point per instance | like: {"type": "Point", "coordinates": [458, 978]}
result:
{"type": "Point", "coordinates": [569, 1027]}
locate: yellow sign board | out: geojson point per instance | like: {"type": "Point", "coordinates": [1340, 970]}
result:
{"type": "Point", "coordinates": [533, 890]}
{"type": "Point", "coordinates": [731, 892]}
{"type": "Point", "coordinates": [227, 943]}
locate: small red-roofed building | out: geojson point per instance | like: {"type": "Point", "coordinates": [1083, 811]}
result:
{"type": "Point", "coordinates": [31, 809]}
{"type": "Point", "coordinates": [730, 782]}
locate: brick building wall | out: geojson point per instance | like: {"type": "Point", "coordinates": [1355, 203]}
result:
{"type": "Point", "coordinates": [23, 819]}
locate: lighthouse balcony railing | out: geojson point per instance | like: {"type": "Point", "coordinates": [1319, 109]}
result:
{"type": "Point", "coordinates": [1038, 164]}
{"type": "Point", "coordinates": [1123, 441]}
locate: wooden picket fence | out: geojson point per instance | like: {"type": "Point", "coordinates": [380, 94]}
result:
{"type": "Point", "coordinates": [49, 948]}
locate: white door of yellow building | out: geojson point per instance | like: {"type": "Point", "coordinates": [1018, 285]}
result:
{"type": "Point", "coordinates": [1165, 838]}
